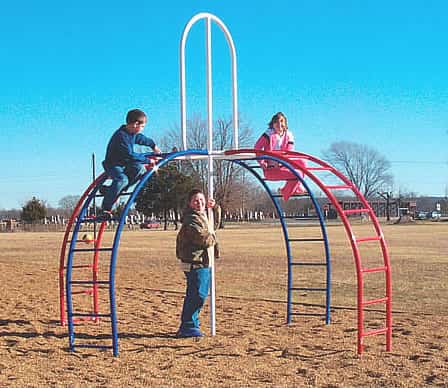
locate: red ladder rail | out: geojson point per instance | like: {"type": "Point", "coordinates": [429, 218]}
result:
{"type": "Point", "coordinates": [62, 257]}
{"type": "Point", "coordinates": [292, 157]}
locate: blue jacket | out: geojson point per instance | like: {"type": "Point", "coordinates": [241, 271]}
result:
{"type": "Point", "coordinates": [120, 150]}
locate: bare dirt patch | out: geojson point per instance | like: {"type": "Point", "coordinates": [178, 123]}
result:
{"type": "Point", "coordinates": [253, 345]}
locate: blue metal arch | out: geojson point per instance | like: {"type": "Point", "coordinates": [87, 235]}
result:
{"type": "Point", "coordinates": [286, 235]}
{"type": "Point", "coordinates": [166, 158]}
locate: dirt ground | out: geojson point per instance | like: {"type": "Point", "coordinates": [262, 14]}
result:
{"type": "Point", "coordinates": [253, 346]}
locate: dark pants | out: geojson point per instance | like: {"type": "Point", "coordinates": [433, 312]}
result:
{"type": "Point", "coordinates": [198, 283]}
{"type": "Point", "coordinates": [122, 177]}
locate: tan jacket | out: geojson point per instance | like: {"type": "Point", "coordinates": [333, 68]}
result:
{"type": "Point", "coordinates": [194, 238]}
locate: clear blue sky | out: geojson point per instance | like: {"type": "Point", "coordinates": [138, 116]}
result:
{"type": "Point", "coordinates": [372, 72]}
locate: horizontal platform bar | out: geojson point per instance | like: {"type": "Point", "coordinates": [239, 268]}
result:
{"type": "Point", "coordinates": [353, 211]}
{"type": "Point", "coordinates": [374, 332]}
{"type": "Point", "coordinates": [376, 269]}
{"type": "Point", "coordinates": [89, 282]}
{"type": "Point", "coordinates": [309, 264]}
{"type": "Point", "coordinates": [375, 301]}
{"type": "Point", "coordinates": [364, 239]}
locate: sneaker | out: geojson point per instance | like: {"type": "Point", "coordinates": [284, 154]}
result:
{"type": "Point", "coordinates": [189, 332]}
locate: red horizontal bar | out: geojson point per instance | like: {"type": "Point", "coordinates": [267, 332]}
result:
{"type": "Point", "coordinates": [374, 301]}
{"type": "Point", "coordinates": [362, 239]}
{"type": "Point", "coordinates": [375, 332]}
{"type": "Point", "coordinates": [376, 269]}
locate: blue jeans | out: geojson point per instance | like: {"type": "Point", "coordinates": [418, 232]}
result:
{"type": "Point", "coordinates": [122, 177]}
{"type": "Point", "coordinates": [198, 283]}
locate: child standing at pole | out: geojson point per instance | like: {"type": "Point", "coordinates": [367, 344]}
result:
{"type": "Point", "coordinates": [278, 138]}
{"type": "Point", "coordinates": [192, 241]}
{"type": "Point", "coordinates": [122, 164]}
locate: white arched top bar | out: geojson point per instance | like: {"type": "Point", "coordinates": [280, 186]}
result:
{"type": "Point", "coordinates": [209, 17]}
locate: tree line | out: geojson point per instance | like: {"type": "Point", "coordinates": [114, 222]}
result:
{"type": "Point", "coordinates": [234, 187]}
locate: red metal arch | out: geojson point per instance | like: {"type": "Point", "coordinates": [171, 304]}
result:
{"type": "Point", "coordinates": [293, 158]}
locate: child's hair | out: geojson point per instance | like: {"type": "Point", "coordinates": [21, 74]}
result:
{"type": "Point", "coordinates": [276, 117]}
{"type": "Point", "coordinates": [193, 192]}
{"type": "Point", "coordinates": [135, 115]}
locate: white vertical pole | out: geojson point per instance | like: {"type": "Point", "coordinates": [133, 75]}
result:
{"type": "Point", "coordinates": [208, 33]}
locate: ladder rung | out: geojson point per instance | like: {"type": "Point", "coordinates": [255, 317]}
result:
{"type": "Point", "coordinates": [81, 266]}
{"type": "Point", "coordinates": [352, 211]}
{"type": "Point", "coordinates": [375, 301]}
{"type": "Point", "coordinates": [89, 282]}
{"type": "Point", "coordinates": [307, 289]}
{"type": "Point", "coordinates": [92, 249]}
{"type": "Point", "coordinates": [376, 269]}
{"type": "Point", "coordinates": [363, 239]}
{"type": "Point", "coordinates": [309, 314]}
{"type": "Point", "coordinates": [93, 346]}
{"type": "Point", "coordinates": [305, 239]}
{"type": "Point", "coordinates": [375, 332]}
{"type": "Point", "coordinates": [83, 292]}
{"type": "Point", "coordinates": [92, 315]}
{"type": "Point", "coordinates": [310, 264]}
{"type": "Point", "coordinates": [339, 187]}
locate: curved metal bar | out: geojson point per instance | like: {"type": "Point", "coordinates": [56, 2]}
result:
{"type": "Point", "coordinates": [183, 99]}
{"type": "Point", "coordinates": [69, 270]}
{"type": "Point", "coordinates": [68, 228]}
{"type": "Point", "coordinates": [286, 235]}
{"type": "Point", "coordinates": [350, 234]}
{"type": "Point", "coordinates": [167, 158]}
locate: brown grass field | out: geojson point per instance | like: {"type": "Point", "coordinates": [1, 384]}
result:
{"type": "Point", "coordinates": [253, 346]}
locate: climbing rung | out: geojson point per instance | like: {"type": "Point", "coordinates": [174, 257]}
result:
{"type": "Point", "coordinates": [352, 211]}
{"type": "Point", "coordinates": [375, 269]}
{"type": "Point", "coordinates": [81, 266]}
{"type": "Point", "coordinates": [92, 315]}
{"type": "Point", "coordinates": [89, 282]}
{"type": "Point", "coordinates": [363, 239]}
{"type": "Point", "coordinates": [93, 346]}
{"type": "Point", "coordinates": [90, 291]}
{"type": "Point", "coordinates": [309, 314]}
{"type": "Point", "coordinates": [375, 332]}
{"type": "Point", "coordinates": [339, 187]}
{"type": "Point", "coordinates": [375, 301]}
{"type": "Point", "coordinates": [310, 264]}
{"type": "Point", "coordinates": [307, 289]}
{"type": "Point", "coordinates": [91, 249]}
{"type": "Point", "coordinates": [305, 239]}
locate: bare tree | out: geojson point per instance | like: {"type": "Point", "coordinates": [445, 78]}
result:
{"type": "Point", "coordinates": [363, 165]}
{"type": "Point", "coordinates": [226, 175]}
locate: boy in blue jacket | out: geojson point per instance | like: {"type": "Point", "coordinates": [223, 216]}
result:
{"type": "Point", "coordinates": [122, 164]}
